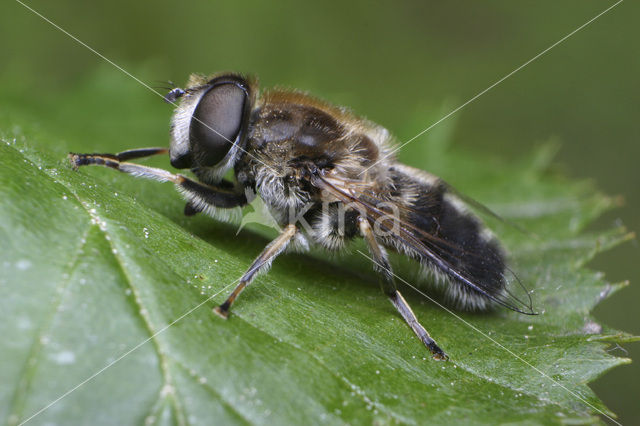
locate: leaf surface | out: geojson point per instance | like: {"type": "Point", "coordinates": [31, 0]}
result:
{"type": "Point", "coordinates": [102, 274]}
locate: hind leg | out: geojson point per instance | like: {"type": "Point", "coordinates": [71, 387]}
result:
{"type": "Point", "coordinates": [383, 267]}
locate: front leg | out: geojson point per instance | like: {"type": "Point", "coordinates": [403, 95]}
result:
{"type": "Point", "coordinates": [262, 263]}
{"type": "Point", "coordinates": [130, 154]}
{"type": "Point", "coordinates": [191, 209]}
{"type": "Point", "coordinates": [200, 195]}
{"type": "Point", "coordinates": [381, 265]}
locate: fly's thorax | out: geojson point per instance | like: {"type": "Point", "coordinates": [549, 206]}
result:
{"type": "Point", "coordinates": [293, 126]}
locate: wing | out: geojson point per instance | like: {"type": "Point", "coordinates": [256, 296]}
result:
{"type": "Point", "coordinates": [442, 238]}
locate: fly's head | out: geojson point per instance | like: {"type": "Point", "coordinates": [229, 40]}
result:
{"type": "Point", "coordinates": [210, 123]}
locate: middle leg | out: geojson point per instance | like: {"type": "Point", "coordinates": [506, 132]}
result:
{"type": "Point", "coordinates": [262, 262]}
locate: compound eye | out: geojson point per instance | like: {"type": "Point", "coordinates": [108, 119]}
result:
{"type": "Point", "coordinates": [216, 122]}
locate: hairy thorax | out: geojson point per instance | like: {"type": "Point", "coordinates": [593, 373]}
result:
{"type": "Point", "coordinates": [287, 139]}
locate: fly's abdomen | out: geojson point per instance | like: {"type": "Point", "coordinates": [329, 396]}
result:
{"type": "Point", "coordinates": [473, 251]}
{"type": "Point", "coordinates": [458, 249]}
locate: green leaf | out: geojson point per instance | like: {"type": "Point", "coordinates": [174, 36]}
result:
{"type": "Point", "coordinates": [105, 297]}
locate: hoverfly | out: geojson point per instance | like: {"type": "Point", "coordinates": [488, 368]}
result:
{"type": "Point", "coordinates": [320, 166]}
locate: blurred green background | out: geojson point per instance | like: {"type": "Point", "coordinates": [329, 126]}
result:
{"type": "Point", "coordinates": [401, 64]}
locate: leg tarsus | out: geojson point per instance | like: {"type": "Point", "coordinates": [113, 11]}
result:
{"type": "Point", "coordinates": [407, 314]}
{"type": "Point", "coordinates": [112, 160]}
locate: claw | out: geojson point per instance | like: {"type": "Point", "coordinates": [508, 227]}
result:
{"type": "Point", "coordinates": [222, 313]}
{"type": "Point", "coordinates": [440, 356]}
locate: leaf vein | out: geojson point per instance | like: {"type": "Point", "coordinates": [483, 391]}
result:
{"type": "Point", "coordinates": [28, 372]}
